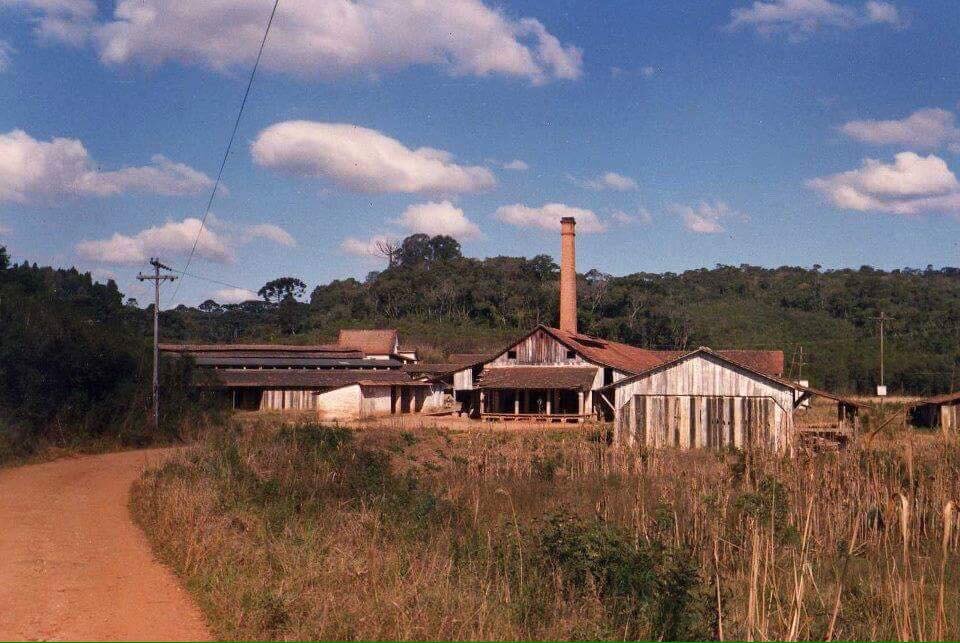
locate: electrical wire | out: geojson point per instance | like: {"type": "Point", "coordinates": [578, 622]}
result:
{"type": "Point", "coordinates": [226, 154]}
{"type": "Point", "coordinates": [215, 281]}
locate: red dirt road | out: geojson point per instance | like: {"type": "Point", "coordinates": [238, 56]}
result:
{"type": "Point", "coordinates": [73, 565]}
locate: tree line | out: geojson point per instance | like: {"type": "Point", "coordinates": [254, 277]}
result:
{"type": "Point", "coordinates": [825, 321]}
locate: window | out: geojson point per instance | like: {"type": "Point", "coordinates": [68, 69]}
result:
{"type": "Point", "coordinates": [512, 354]}
{"type": "Point", "coordinates": [571, 354]}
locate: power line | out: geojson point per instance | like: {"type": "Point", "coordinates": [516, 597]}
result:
{"type": "Point", "coordinates": [214, 281]}
{"type": "Point", "coordinates": [226, 154]}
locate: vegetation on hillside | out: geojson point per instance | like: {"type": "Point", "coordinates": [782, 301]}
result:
{"type": "Point", "coordinates": [75, 365]}
{"type": "Point", "coordinates": [445, 302]}
{"type": "Point", "coordinates": [430, 534]}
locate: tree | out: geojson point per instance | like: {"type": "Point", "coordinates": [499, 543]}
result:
{"type": "Point", "coordinates": [279, 289]}
{"type": "Point", "coordinates": [444, 248]}
{"type": "Point", "coordinates": [4, 258]}
{"type": "Point", "coordinates": [210, 306]}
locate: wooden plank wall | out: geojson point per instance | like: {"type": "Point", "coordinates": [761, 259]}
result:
{"type": "Point", "coordinates": [703, 402]}
{"type": "Point", "coordinates": [539, 349]}
{"type": "Point", "coordinates": [686, 421]}
{"type": "Point", "coordinates": [288, 400]}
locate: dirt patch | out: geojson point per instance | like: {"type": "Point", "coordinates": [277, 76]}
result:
{"type": "Point", "coordinates": [72, 563]}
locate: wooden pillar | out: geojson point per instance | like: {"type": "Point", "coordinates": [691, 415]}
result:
{"type": "Point", "coordinates": [516, 402]}
{"type": "Point", "coordinates": [482, 398]}
{"type": "Point", "coordinates": [549, 400]}
{"type": "Point", "coordinates": [579, 404]}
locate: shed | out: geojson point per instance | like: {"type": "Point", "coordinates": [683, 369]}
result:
{"type": "Point", "coordinates": [703, 399]}
{"type": "Point", "coordinates": [938, 412]}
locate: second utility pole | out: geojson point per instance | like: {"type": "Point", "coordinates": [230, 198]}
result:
{"type": "Point", "coordinates": [156, 278]}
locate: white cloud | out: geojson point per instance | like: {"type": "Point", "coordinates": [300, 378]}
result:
{"type": "Point", "coordinates": [217, 242]}
{"type": "Point", "coordinates": [912, 184]}
{"type": "Point", "coordinates": [929, 128]}
{"type": "Point", "coordinates": [517, 165]}
{"type": "Point", "coordinates": [883, 12]}
{"type": "Point", "coordinates": [548, 217]}
{"type": "Point", "coordinates": [316, 38]}
{"type": "Point", "coordinates": [439, 218]}
{"type": "Point", "coordinates": [271, 232]}
{"type": "Point", "coordinates": [648, 71]}
{"type": "Point", "coordinates": [233, 296]}
{"type": "Point", "coordinates": [367, 248]}
{"type": "Point", "coordinates": [704, 218]}
{"type": "Point", "coordinates": [363, 160]}
{"type": "Point", "coordinates": [607, 181]}
{"type": "Point", "coordinates": [799, 18]}
{"type": "Point", "coordinates": [30, 169]}
{"type": "Point", "coordinates": [623, 218]}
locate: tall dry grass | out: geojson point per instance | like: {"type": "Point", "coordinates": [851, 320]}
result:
{"type": "Point", "coordinates": [309, 532]}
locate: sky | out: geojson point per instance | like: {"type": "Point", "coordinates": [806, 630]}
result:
{"type": "Point", "coordinates": [680, 134]}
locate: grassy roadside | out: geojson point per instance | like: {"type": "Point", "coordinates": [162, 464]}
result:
{"type": "Point", "coordinates": [322, 533]}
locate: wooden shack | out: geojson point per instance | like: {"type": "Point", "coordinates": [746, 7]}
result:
{"type": "Point", "coordinates": [337, 381]}
{"type": "Point", "coordinates": [939, 412]}
{"type": "Point", "coordinates": [703, 399]}
{"type": "Point", "coordinates": [553, 375]}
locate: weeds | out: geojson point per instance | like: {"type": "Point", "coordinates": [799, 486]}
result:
{"type": "Point", "coordinates": [318, 533]}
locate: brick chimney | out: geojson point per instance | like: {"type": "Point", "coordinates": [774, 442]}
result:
{"type": "Point", "coordinates": [568, 275]}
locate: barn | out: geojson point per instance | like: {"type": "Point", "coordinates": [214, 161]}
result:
{"type": "Point", "coordinates": [336, 381]}
{"type": "Point", "coordinates": [558, 374]}
{"type": "Point", "coordinates": [703, 399]}
{"type": "Point", "coordinates": [940, 412]}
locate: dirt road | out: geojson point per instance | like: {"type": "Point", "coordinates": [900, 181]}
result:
{"type": "Point", "coordinates": [72, 563]}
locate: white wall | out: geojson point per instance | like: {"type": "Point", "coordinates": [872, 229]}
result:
{"type": "Point", "coordinates": [339, 404]}
{"type": "Point", "coordinates": [375, 401]}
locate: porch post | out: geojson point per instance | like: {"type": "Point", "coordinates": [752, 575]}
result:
{"type": "Point", "coordinates": [579, 403]}
{"type": "Point", "coordinates": [549, 400]}
{"type": "Point", "coordinates": [516, 402]}
{"type": "Point", "coordinates": [482, 398]}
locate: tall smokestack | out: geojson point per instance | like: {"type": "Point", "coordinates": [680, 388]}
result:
{"type": "Point", "coordinates": [568, 275]}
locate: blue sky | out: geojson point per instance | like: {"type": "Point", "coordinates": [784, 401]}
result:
{"type": "Point", "coordinates": [681, 134]}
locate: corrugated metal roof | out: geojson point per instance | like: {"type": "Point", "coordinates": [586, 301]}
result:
{"type": "Point", "coordinates": [299, 378]}
{"type": "Point", "coordinates": [946, 398]}
{"type": "Point", "coordinates": [467, 358]}
{"type": "Point", "coordinates": [294, 362]}
{"type": "Point", "coordinates": [257, 349]}
{"type": "Point", "coordinates": [371, 342]}
{"type": "Point", "coordinates": [578, 378]}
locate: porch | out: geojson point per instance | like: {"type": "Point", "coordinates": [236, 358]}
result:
{"type": "Point", "coordinates": [535, 394]}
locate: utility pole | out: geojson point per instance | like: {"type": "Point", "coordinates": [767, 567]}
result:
{"type": "Point", "coordinates": [156, 278]}
{"type": "Point", "coordinates": [882, 319]}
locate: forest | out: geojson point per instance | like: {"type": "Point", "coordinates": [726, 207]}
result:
{"type": "Point", "coordinates": [74, 352]}
{"type": "Point", "coordinates": [825, 321]}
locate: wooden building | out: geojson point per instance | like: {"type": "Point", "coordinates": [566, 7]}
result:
{"type": "Point", "coordinates": [939, 412]}
{"type": "Point", "coordinates": [705, 398]}
{"type": "Point", "coordinates": [336, 381]}
{"type": "Point", "coordinates": [552, 374]}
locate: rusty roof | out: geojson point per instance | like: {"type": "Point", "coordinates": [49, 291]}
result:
{"type": "Point", "coordinates": [468, 358]}
{"type": "Point", "coordinates": [703, 350]}
{"type": "Point", "coordinates": [946, 398]}
{"type": "Point", "coordinates": [578, 378]}
{"type": "Point", "coordinates": [371, 342]}
{"type": "Point", "coordinates": [299, 378]}
{"type": "Point", "coordinates": [331, 351]}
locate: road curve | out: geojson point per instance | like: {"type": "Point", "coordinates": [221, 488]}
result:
{"type": "Point", "coordinates": [73, 565]}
